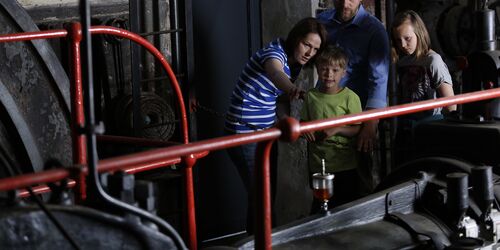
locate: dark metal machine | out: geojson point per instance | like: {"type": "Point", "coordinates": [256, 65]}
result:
{"type": "Point", "coordinates": [430, 202]}
{"type": "Point", "coordinates": [35, 131]}
{"type": "Point", "coordinates": [482, 70]}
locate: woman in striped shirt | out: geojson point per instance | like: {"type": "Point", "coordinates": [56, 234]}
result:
{"type": "Point", "coordinates": [269, 73]}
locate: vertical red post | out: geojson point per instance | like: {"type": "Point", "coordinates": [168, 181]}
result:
{"type": "Point", "coordinates": [190, 205]}
{"type": "Point", "coordinates": [77, 113]}
{"type": "Point", "coordinates": [263, 195]}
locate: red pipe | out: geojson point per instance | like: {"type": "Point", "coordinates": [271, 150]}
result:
{"type": "Point", "coordinates": [175, 85]}
{"type": "Point", "coordinates": [41, 189]}
{"type": "Point", "coordinates": [200, 147]}
{"type": "Point", "coordinates": [25, 180]}
{"type": "Point", "coordinates": [262, 224]}
{"type": "Point", "coordinates": [58, 174]}
{"type": "Point", "coordinates": [153, 50]}
{"type": "Point", "coordinates": [25, 36]}
{"type": "Point", "coordinates": [134, 141]}
{"type": "Point", "coordinates": [175, 152]}
{"type": "Point", "coordinates": [79, 152]}
{"type": "Point", "coordinates": [77, 112]}
{"type": "Point", "coordinates": [190, 160]}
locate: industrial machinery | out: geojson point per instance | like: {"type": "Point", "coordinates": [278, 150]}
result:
{"type": "Point", "coordinates": [430, 202]}
{"type": "Point", "coordinates": [38, 133]}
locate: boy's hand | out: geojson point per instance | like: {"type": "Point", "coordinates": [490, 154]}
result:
{"type": "Point", "coordinates": [309, 136]}
{"type": "Point", "coordinates": [321, 135]}
{"type": "Point", "coordinates": [318, 135]}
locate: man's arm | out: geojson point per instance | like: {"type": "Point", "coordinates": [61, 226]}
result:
{"type": "Point", "coordinates": [367, 136]}
{"type": "Point", "coordinates": [378, 74]}
{"type": "Point", "coordinates": [378, 69]}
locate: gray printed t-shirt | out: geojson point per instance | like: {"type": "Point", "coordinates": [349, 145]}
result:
{"type": "Point", "coordinates": [419, 79]}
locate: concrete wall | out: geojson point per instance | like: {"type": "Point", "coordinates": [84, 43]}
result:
{"type": "Point", "coordinates": [293, 195]}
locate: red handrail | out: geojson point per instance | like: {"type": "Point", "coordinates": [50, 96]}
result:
{"type": "Point", "coordinates": [289, 129]}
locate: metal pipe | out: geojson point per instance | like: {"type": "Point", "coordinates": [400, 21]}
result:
{"type": "Point", "coordinates": [159, 156]}
{"type": "Point", "coordinates": [77, 113]}
{"type": "Point", "coordinates": [41, 189]}
{"type": "Point", "coordinates": [25, 180]}
{"type": "Point", "coordinates": [174, 23]}
{"type": "Point", "coordinates": [148, 61]}
{"type": "Point", "coordinates": [175, 85]}
{"type": "Point", "coordinates": [120, 33]}
{"type": "Point", "coordinates": [58, 174]}
{"type": "Point", "coordinates": [263, 218]}
{"type": "Point", "coordinates": [25, 36]}
{"type": "Point", "coordinates": [90, 121]}
{"type": "Point", "coordinates": [190, 160]}
{"type": "Point", "coordinates": [173, 81]}
{"type": "Point", "coordinates": [135, 63]}
{"type": "Point", "coordinates": [161, 32]}
{"type": "Point", "coordinates": [175, 152]}
{"type": "Point", "coordinates": [134, 141]}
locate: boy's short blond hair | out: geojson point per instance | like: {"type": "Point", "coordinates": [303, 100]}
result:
{"type": "Point", "coordinates": [332, 55]}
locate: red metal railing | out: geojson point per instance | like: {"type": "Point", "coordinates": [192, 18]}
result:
{"type": "Point", "coordinates": [78, 119]}
{"type": "Point", "coordinates": [288, 129]}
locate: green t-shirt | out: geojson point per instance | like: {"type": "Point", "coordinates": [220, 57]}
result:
{"type": "Point", "coordinates": [338, 151]}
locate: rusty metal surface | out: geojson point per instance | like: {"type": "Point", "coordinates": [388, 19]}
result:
{"type": "Point", "coordinates": [34, 92]}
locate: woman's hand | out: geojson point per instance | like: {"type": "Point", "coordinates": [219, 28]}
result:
{"type": "Point", "coordinates": [296, 92]}
{"type": "Point", "coordinates": [274, 70]}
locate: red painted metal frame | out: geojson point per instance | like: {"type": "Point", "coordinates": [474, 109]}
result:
{"type": "Point", "coordinates": [263, 189]}
{"type": "Point", "coordinates": [78, 119]}
{"type": "Point", "coordinates": [77, 111]}
{"type": "Point", "coordinates": [288, 129]}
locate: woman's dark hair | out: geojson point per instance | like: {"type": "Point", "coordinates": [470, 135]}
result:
{"type": "Point", "coordinates": [300, 31]}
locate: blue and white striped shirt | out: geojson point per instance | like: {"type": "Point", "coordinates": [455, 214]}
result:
{"type": "Point", "coordinates": [253, 102]}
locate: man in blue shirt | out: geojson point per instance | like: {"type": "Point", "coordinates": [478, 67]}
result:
{"type": "Point", "coordinates": [366, 43]}
{"type": "Point", "coordinates": [365, 40]}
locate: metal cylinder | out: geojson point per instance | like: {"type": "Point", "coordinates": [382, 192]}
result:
{"type": "Point", "coordinates": [482, 181]}
{"type": "Point", "coordinates": [485, 27]}
{"type": "Point", "coordinates": [458, 195]}
{"type": "Point", "coordinates": [322, 185]}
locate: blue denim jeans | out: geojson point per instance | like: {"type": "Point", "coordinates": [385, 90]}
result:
{"type": "Point", "coordinates": [244, 158]}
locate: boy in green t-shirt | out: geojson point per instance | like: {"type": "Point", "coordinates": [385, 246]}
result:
{"type": "Point", "coordinates": [335, 145]}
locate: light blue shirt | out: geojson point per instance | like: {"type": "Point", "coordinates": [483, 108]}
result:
{"type": "Point", "coordinates": [366, 43]}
